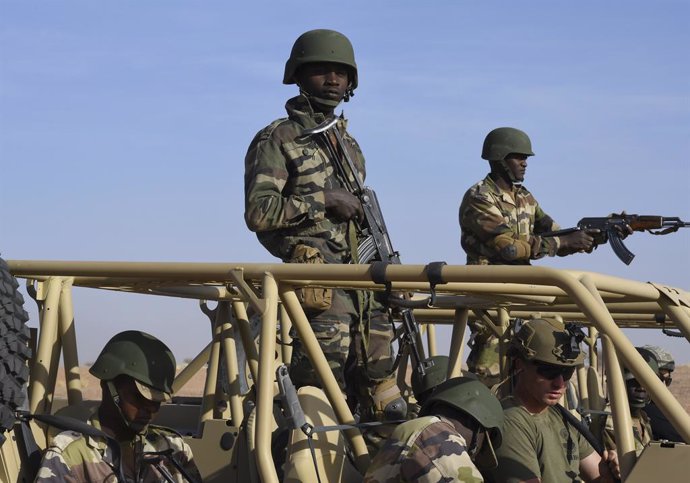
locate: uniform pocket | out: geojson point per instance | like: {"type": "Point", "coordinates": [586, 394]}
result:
{"type": "Point", "coordinates": [311, 298]}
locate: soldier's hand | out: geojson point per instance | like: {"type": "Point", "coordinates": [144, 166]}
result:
{"type": "Point", "coordinates": [579, 241]}
{"type": "Point", "coordinates": [343, 205]}
{"type": "Point", "coordinates": [609, 468]}
{"type": "Point", "coordinates": [623, 230]}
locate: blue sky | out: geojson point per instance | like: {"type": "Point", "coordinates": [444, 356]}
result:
{"type": "Point", "coordinates": [123, 128]}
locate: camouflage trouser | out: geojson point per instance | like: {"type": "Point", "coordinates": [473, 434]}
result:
{"type": "Point", "coordinates": [484, 358]}
{"type": "Point", "coordinates": [360, 355]}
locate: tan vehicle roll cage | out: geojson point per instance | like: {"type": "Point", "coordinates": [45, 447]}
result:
{"type": "Point", "coordinates": [493, 294]}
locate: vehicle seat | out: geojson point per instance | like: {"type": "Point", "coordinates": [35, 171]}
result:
{"type": "Point", "coordinates": [329, 447]}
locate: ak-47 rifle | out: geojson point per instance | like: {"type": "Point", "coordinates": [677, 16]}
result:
{"type": "Point", "coordinates": [611, 227]}
{"type": "Point", "coordinates": [374, 244]}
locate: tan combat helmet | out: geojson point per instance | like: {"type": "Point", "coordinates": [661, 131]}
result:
{"type": "Point", "coordinates": [549, 341]}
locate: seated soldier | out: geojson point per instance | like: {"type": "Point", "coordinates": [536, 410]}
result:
{"type": "Point", "coordinates": [136, 372]}
{"type": "Point", "coordinates": [454, 438]}
{"type": "Point", "coordinates": [638, 398]}
{"type": "Point", "coordinates": [661, 426]}
{"type": "Point", "coordinates": [539, 443]}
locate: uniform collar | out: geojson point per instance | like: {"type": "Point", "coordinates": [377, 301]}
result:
{"type": "Point", "coordinates": [499, 193]}
{"type": "Point", "coordinates": [299, 110]}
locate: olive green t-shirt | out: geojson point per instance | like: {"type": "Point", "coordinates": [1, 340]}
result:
{"type": "Point", "coordinates": [539, 445]}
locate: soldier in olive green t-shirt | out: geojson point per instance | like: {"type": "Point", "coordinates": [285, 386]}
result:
{"type": "Point", "coordinates": [539, 444]}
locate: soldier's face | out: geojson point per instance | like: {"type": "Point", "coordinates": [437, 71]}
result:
{"type": "Point", "coordinates": [138, 410]}
{"type": "Point", "coordinates": [517, 164]}
{"type": "Point", "coordinates": [327, 80]}
{"type": "Point", "coordinates": [540, 387]}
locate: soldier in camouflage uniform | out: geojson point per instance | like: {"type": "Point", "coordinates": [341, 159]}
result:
{"type": "Point", "coordinates": [136, 372]}
{"type": "Point", "coordinates": [301, 212]}
{"type": "Point", "coordinates": [501, 223]}
{"type": "Point", "coordinates": [454, 438]}
{"type": "Point", "coordinates": [661, 426]}
{"type": "Point", "coordinates": [539, 444]}
{"type": "Point", "coordinates": [638, 398]}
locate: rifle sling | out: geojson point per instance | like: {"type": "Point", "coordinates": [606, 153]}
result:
{"type": "Point", "coordinates": [581, 428]}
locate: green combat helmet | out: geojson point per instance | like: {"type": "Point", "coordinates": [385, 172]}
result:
{"type": "Point", "coordinates": [502, 141]}
{"type": "Point", "coordinates": [549, 341]}
{"type": "Point", "coordinates": [471, 397]}
{"type": "Point", "coordinates": [422, 386]}
{"type": "Point", "coordinates": [320, 46]}
{"type": "Point", "coordinates": [142, 357]}
{"type": "Point", "coordinates": [663, 358]}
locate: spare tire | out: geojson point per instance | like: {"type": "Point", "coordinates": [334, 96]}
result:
{"type": "Point", "coordinates": [14, 348]}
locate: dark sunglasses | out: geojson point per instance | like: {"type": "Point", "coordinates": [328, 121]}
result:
{"type": "Point", "coordinates": [550, 371]}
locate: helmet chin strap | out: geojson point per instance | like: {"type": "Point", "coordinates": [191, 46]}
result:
{"type": "Point", "coordinates": [329, 103]}
{"type": "Point", "coordinates": [507, 173]}
{"type": "Point", "coordinates": [115, 395]}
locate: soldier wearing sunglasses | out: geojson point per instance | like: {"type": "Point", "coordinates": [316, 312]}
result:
{"type": "Point", "coordinates": [539, 443]}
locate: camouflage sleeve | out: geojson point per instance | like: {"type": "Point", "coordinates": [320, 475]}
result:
{"type": "Point", "coordinates": [439, 455]}
{"type": "Point", "coordinates": [543, 246]}
{"type": "Point", "coordinates": [480, 216]}
{"type": "Point", "coordinates": [53, 468]}
{"type": "Point", "coordinates": [268, 205]}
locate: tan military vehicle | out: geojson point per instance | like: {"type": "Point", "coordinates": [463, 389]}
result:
{"type": "Point", "coordinates": [250, 425]}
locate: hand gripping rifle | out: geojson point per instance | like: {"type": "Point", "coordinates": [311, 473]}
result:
{"type": "Point", "coordinates": [375, 244]}
{"type": "Point", "coordinates": [610, 229]}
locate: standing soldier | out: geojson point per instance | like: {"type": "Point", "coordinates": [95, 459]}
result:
{"type": "Point", "coordinates": [500, 224]}
{"type": "Point", "coordinates": [301, 212]}
{"type": "Point", "coordinates": [136, 372]}
{"type": "Point", "coordinates": [455, 437]}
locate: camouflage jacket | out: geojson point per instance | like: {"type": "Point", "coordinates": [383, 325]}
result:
{"type": "Point", "coordinates": [487, 212]}
{"type": "Point", "coordinates": [75, 458]}
{"type": "Point", "coordinates": [284, 181]}
{"type": "Point", "coordinates": [427, 449]}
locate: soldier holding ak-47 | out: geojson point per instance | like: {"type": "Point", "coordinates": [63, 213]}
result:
{"type": "Point", "coordinates": [503, 224]}
{"type": "Point", "coordinates": [297, 203]}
